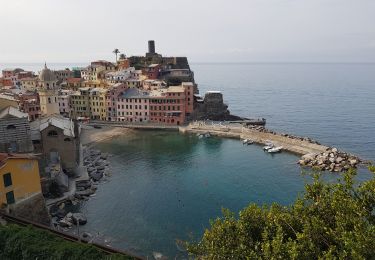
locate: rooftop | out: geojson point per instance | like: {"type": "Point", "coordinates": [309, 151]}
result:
{"type": "Point", "coordinates": [12, 111]}
{"type": "Point", "coordinates": [5, 156]}
{"type": "Point", "coordinates": [58, 121]}
{"type": "Point", "coordinates": [8, 97]}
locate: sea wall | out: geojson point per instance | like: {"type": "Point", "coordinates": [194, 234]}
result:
{"type": "Point", "coordinates": [290, 144]}
{"type": "Point", "coordinates": [313, 153]}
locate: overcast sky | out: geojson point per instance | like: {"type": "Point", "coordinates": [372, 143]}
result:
{"type": "Point", "coordinates": [203, 30]}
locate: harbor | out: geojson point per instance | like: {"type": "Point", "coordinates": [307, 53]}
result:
{"type": "Point", "coordinates": [313, 154]}
{"type": "Point", "coordinates": [294, 145]}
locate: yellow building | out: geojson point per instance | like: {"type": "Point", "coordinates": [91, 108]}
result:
{"type": "Point", "coordinates": [80, 104]}
{"type": "Point", "coordinates": [19, 178]}
{"type": "Point", "coordinates": [7, 100]}
{"type": "Point", "coordinates": [97, 102]}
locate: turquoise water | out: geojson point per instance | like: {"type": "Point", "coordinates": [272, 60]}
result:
{"type": "Point", "coordinates": [166, 186]}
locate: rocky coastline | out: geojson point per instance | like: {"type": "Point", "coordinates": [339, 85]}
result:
{"type": "Point", "coordinates": [97, 166]}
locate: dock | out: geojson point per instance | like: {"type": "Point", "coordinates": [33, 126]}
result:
{"type": "Point", "coordinates": [238, 131]}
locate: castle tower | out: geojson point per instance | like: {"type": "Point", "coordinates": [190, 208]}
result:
{"type": "Point", "coordinates": [151, 47]}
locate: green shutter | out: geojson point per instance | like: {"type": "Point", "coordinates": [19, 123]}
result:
{"type": "Point", "coordinates": [10, 197]}
{"type": "Point", "coordinates": [7, 179]}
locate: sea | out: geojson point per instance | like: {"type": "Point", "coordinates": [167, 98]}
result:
{"type": "Point", "coordinates": [165, 187]}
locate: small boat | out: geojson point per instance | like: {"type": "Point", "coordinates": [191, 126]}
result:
{"type": "Point", "coordinates": [207, 135]}
{"type": "Point", "coordinates": [200, 136]}
{"type": "Point", "coordinates": [248, 141]}
{"type": "Point", "coordinates": [268, 146]}
{"type": "Point", "coordinates": [275, 149]}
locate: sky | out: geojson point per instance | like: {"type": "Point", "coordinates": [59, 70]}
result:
{"type": "Point", "coordinates": [202, 30]}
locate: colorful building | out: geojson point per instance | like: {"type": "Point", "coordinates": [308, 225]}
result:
{"type": "Point", "coordinates": [173, 105]}
{"type": "Point", "coordinates": [133, 106]}
{"type": "Point", "coordinates": [19, 178]}
{"type": "Point", "coordinates": [8, 99]}
{"type": "Point", "coordinates": [64, 102]}
{"type": "Point", "coordinates": [97, 103]}
{"type": "Point", "coordinates": [74, 83]}
{"type": "Point", "coordinates": [79, 104]}
{"type": "Point", "coordinates": [152, 71]}
{"type": "Point", "coordinates": [29, 103]}
{"type": "Point", "coordinates": [112, 98]}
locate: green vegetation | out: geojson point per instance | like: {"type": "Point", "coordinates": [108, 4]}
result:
{"type": "Point", "coordinates": [330, 221]}
{"type": "Point", "coordinates": [18, 242]}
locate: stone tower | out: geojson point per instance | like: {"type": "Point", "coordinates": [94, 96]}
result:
{"type": "Point", "coordinates": [151, 47]}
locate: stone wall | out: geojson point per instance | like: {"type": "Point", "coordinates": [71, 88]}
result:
{"type": "Point", "coordinates": [15, 132]}
{"type": "Point", "coordinates": [33, 209]}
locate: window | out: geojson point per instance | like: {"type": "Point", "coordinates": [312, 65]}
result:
{"type": "Point", "coordinates": [11, 127]}
{"type": "Point", "coordinates": [52, 133]}
{"type": "Point", "coordinates": [10, 197]}
{"type": "Point", "coordinates": [7, 179]}
{"type": "Point", "coordinates": [67, 139]}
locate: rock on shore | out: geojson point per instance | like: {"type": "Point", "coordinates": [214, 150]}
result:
{"type": "Point", "coordinates": [96, 164]}
{"type": "Point", "coordinates": [331, 160]}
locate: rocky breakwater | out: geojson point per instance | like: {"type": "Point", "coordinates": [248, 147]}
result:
{"type": "Point", "coordinates": [96, 164]}
{"type": "Point", "coordinates": [331, 160]}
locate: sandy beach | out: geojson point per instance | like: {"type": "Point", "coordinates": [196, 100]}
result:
{"type": "Point", "coordinates": [90, 135]}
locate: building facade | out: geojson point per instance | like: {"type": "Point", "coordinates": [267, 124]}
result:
{"type": "Point", "coordinates": [19, 178]}
{"type": "Point", "coordinates": [29, 103]}
{"type": "Point", "coordinates": [15, 135]}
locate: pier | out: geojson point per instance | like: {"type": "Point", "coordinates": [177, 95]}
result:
{"type": "Point", "coordinates": [297, 146]}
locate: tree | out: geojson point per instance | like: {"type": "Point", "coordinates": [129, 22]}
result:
{"type": "Point", "coordinates": [330, 221]}
{"type": "Point", "coordinates": [122, 56]}
{"type": "Point", "coordinates": [116, 51]}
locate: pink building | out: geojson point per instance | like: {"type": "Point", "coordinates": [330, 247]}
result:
{"type": "Point", "coordinates": [112, 98]}
{"type": "Point", "coordinates": [64, 102]}
{"type": "Point", "coordinates": [133, 106]}
{"type": "Point", "coordinates": [152, 71]}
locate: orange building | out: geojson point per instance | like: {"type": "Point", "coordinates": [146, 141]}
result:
{"type": "Point", "coordinates": [19, 178]}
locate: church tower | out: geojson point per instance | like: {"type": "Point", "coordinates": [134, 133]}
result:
{"type": "Point", "coordinates": [48, 92]}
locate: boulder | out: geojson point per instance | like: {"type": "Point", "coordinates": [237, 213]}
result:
{"type": "Point", "coordinates": [339, 159]}
{"type": "Point", "coordinates": [100, 168]}
{"type": "Point", "coordinates": [353, 162]}
{"type": "Point", "coordinates": [97, 176]}
{"type": "Point", "coordinates": [79, 218]}
{"type": "Point", "coordinates": [104, 156]}
{"type": "Point", "coordinates": [65, 223]}
{"type": "Point", "coordinates": [87, 192]}
{"type": "Point", "coordinates": [90, 169]}
{"type": "Point", "coordinates": [99, 162]}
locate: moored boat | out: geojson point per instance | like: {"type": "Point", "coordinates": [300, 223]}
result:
{"type": "Point", "coordinates": [275, 149]}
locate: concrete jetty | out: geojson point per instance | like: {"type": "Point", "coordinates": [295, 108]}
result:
{"type": "Point", "coordinates": [313, 154]}
{"type": "Point", "coordinates": [297, 146]}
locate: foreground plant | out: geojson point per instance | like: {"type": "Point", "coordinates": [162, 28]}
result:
{"type": "Point", "coordinates": [330, 221]}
